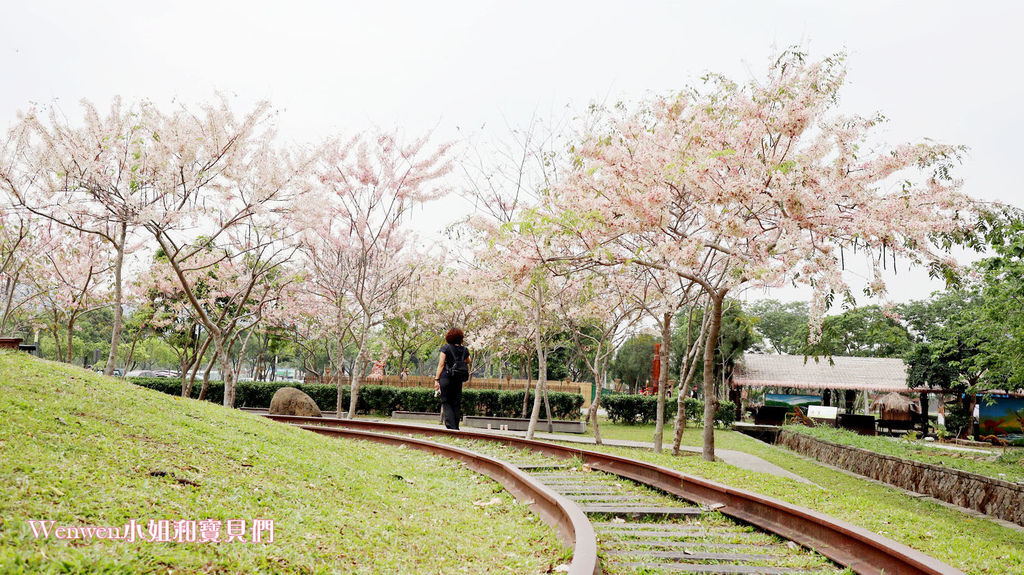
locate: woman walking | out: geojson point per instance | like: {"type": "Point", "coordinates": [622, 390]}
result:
{"type": "Point", "coordinates": [453, 368]}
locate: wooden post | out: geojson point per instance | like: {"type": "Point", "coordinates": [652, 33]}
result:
{"type": "Point", "coordinates": [924, 413]}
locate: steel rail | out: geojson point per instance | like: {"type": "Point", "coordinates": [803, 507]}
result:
{"type": "Point", "coordinates": [851, 546]}
{"type": "Point", "coordinates": [560, 513]}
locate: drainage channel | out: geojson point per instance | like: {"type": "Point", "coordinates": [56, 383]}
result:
{"type": "Point", "coordinates": [641, 530]}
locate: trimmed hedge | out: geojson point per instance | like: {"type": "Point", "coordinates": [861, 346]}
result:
{"type": "Point", "coordinates": [374, 399]}
{"type": "Point", "coordinates": [634, 409]}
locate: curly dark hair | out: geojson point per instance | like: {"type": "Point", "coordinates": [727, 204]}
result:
{"type": "Point", "coordinates": [454, 336]}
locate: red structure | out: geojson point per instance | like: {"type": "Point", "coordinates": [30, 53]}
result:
{"type": "Point", "coordinates": [10, 342]}
{"type": "Point", "coordinates": [652, 385]}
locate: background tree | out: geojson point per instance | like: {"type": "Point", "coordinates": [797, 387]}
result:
{"type": "Point", "coordinates": [782, 326]}
{"type": "Point", "coordinates": [954, 336]}
{"type": "Point", "coordinates": [867, 331]}
{"type": "Point", "coordinates": [632, 363]}
{"type": "Point", "coordinates": [1002, 291]}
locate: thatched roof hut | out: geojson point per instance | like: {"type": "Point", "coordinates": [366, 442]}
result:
{"type": "Point", "coordinates": [873, 374]}
{"type": "Point", "coordinates": [896, 407]}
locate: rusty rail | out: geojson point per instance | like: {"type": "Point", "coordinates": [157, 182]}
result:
{"type": "Point", "coordinates": [563, 515]}
{"type": "Point", "coordinates": [849, 545]}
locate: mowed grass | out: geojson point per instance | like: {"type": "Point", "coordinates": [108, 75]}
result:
{"type": "Point", "coordinates": [971, 544]}
{"type": "Point", "coordinates": [84, 450]}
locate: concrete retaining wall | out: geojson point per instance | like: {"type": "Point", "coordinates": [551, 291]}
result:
{"type": "Point", "coordinates": [990, 496]}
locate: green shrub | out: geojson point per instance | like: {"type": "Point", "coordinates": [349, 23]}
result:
{"type": "Point", "coordinates": [642, 409]}
{"type": "Point", "coordinates": [374, 399]}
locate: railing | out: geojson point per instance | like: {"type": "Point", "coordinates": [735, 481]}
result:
{"type": "Point", "coordinates": [501, 384]}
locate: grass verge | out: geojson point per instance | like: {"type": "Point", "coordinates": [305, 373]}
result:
{"type": "Point", "coordinates": [83, 450]}
{"type": "Point", "coordinates": [1006, 463]}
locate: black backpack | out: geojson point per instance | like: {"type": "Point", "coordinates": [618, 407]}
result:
{"type": "Point", "coordinates": [458, 369]}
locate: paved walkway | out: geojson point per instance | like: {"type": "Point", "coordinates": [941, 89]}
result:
{"type": "Point", "coordinates": [730, 456]}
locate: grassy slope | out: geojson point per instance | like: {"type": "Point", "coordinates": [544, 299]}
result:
{"type": "Point", "coordinates": [79, 448]}
{"type": "Point", "coordinates": [974, 545]}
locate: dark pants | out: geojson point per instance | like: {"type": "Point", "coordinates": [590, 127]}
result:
{"type": "Point", "coordinates": [451, 402]}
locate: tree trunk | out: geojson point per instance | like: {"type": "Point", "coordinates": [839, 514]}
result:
{"type": "Point", "coordinates": [195, 368]}
{"type": "Point", "coordinates": [115, 332]}
{"type": "Point", "coordinates": [691, 372]}
{"type": "Point", "coordinates": [529, 382]}
{"type": "Point", "coordinates": [684, 370]}
{"type": "Point", "coordinates": [970, 416]}
{"type": "Point", "coordinates": [666, 341]}
{"type": "Point", "coordinates": [206, 376]}
{"type": "Point", "coordinates": [71, 337]}
{"type": "Point", "coordinates": [547, 407]}
{"type": "Point", "coordinates": [9, 285]}
{"type": "Point", "coordinates": [339, 360]}
{"type": "Point", "coordinates": [185, 387]}
{"type": "Point", "coordinates": [542, 364]}
{"type": "Point", "coordinates": [226, 371]}
{"type": "Point", "coordinates": [241, 354]}
{"type": "Point", "coordinates": [357, 371]}
{"type": "Point", "coordinates": [595, 403]}
{"type": "Point", "coordinates": [710, 397]}
{"type": "Point", "coordinates": [131, 350]}
{"type": "Point", "coordinates": [57, 345]}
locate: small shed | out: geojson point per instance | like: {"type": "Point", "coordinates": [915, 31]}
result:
{"type": "Point", "coordinates": [895, 407]}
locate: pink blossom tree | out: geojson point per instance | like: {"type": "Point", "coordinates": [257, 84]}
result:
{"type": "Point", "coordinates": [756, 185]}
{"type": "Point", "coordinates": [20, 248]}
{"type": "Point", "coordinates": [223, 217]}
{"type": "Point", "coordinates": [368, 186]}
{"type": "Point", "coordinates": [94, 177]}
{"type": "Point", "coordinates": [511, 240]}
{"type": "Point", "coordinates": [599, 311]}
{"type": "Point", "coordinates": [71, 278]}
{"type": "Point", "coordinates": [519, 256]}
{"type": "Point", "coordinates": [660, 294]}
{"type": "Point", "coordinates": [326, 251]}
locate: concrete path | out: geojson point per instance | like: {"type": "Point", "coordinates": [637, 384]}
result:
{"type": "Point", "coordinates": [730, 456]}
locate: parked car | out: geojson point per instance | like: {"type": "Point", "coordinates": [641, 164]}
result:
{"type": "Point", "coordinates": [151, 373]}
{"type": "Point", "coordinates": [117, 372]}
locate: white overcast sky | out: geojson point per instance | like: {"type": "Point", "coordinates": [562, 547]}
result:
{"type": "Point", "coordinates": [950, 71]}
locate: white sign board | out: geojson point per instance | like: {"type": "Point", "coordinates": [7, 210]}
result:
{"type": "Point", "coordinates": [822, 412]}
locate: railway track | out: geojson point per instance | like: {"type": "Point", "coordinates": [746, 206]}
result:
{"type": "Point", "coordinates": [643, 518]}
{"type": "Point", "coordinates": [642, 530]}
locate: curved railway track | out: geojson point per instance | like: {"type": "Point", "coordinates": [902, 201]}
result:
{"type": "Point", "coordinates": [680, 538]}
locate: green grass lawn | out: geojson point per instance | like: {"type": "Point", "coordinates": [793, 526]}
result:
{"type": "Point", "coordinates": [1007, 463]}
{"type": "Point", "coordinates": [974, 545]}
{"type": "Point", "coordinates": [84, 450]}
